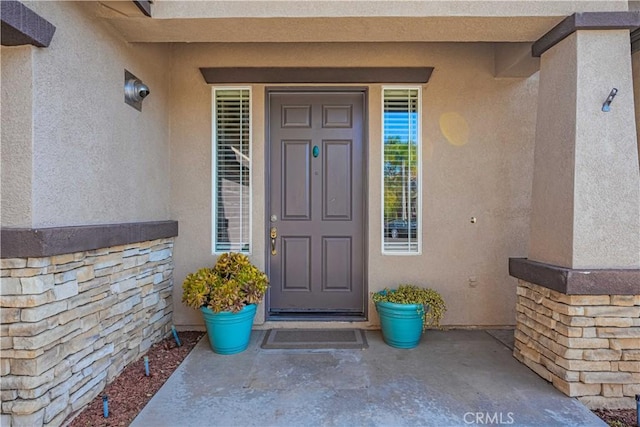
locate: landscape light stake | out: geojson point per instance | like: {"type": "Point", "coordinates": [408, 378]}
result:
{"type": "Point", "coordinates": [146, 366]}
{"type": "Point", "coordinates": [105, 406]}
{"type": "Point", "coordinates": [175, 335]}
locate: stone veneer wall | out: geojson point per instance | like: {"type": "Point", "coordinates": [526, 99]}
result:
{"type": "Point", "coordinates": [588, 346]}
{"type": "Point", "coordinates": [71, 323]}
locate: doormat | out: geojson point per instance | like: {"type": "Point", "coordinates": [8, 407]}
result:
{"type": "Point", "coordinates": [285, 339]}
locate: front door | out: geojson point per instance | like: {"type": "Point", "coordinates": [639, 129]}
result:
{"type": "Point", "coordinates": [317, 203]}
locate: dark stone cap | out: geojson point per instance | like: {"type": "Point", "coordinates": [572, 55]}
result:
{"type": "Point", "coordinates": [576, 282]}
{"type": "Point", "coordinates": [42, 242]}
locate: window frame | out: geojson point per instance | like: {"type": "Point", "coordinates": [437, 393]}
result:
{"type": "Point", "coordinates": [214, 168]}
{"type": "Point", "coordinates": [419, 149]}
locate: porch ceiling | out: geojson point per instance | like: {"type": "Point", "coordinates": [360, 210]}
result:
{"type": "Point", "coordinates": [349, 21]}
{"type": "Point", "coordinates": [171, 9]}
{"type": "Point", "coordinates": [345, 29]}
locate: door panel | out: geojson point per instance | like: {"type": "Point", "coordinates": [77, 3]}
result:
{"type": "Point", "coordinates": [296, 263]}
{"type": "Point", "coordinates": [316, 202]}
{"type": "Point", "coordinates": [296, 183]}
{"type": "Point", "coordinates": [296, 116]}
{"type": "Point", "coordinates": [337, 180]}
{"type": "Point", "coordinates": [337, 116]}
{"type": "Point", "coordinates": [336, 267]}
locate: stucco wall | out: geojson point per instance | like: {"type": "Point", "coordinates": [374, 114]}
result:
{"type": "Point", "coordinates": [552, 217]}
{"type": "Point", "coordinates": [478, 135]}
{"type": "Point", "coordinates": [95, 159]}
{"type": "Point", "coordinates": [635, 63]}
{"type": "Point", "coordinates": [585, 212]}
{"type": "Point", "coordinates": [16, 150]}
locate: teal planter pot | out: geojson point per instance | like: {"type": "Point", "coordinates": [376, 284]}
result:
{"type": "Point", "coordinates": [228, 332]}
{"type": "Point", "coordinates": [401, 323]}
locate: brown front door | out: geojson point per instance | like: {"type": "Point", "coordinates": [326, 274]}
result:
{"type": "Point", "coordinates": [316, 205]}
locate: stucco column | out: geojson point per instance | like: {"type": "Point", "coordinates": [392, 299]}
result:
{"type": "Point", "coordinates": [586, 185]}
{"type": "Point", "coordinates": [635, 64]}
{"type": "Point", "coordinates": [16, 140]}
{"type": "Point", "coordinates": [577, 306]}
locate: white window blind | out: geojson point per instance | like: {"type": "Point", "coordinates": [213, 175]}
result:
{"type": "Point", "coordinates": [401, 171]}
{"type": "Point", "coordinates": [232, 170]}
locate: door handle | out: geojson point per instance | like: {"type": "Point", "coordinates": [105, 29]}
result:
{"type": "Point", "coordinates": [274, 235]}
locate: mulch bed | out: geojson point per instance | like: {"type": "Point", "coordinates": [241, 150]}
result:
{"type": "Point", "coordinates": [618, 417]}
{"type": "Point", "coordinates": [131, 390]}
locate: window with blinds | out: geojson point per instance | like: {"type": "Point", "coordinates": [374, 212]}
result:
{"type": "Point", "coordinates": [231, 170]}
{"type": "Point", "coordinates": [401, 171]}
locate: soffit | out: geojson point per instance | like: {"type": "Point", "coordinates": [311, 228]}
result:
{"type": "Point", "coordinates": [171, 9]}
{"type": "Point", "coordinates": [345, 29]}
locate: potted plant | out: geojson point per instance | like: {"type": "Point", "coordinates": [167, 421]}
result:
{"type": "Point", "coordinates": [406, 312]}
{"type": "Point", "coordinates": [227, 296]}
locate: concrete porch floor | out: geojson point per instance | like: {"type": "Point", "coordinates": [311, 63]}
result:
{"type": "Point", "coordinates": [453, 378]}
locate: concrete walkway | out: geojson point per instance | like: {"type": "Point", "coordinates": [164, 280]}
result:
{"type": "Point", "coordinates": [453, 378]}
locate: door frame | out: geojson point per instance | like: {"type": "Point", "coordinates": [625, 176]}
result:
{"type": "Point", "coordinates": [364, 90]}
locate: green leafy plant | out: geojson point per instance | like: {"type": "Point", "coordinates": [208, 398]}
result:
{"type": "Point", "coordinates": [232, 283]}
{"type": "Point", "coordinates": [433, 305]}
